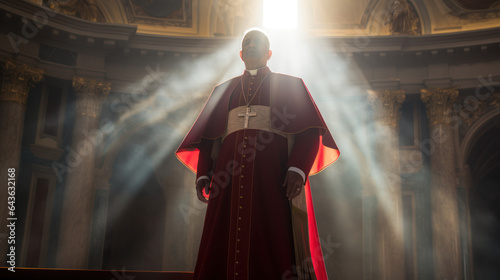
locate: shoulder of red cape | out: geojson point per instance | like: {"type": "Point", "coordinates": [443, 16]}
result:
{"type": "Point", "coordinates": [289, 98]}
{"type": "Point", "coordinates": [272, 74]}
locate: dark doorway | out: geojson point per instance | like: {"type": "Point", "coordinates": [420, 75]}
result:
{"type": "Point", "coordinates": [136, 211]}
{"type": "Point", "coordinates": [484, 162]}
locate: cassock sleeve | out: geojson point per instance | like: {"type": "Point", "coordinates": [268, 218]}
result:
{"type": "Point", "coordinates": [205, 161]}
{"type": "Point", "coordinates": [304, 150]}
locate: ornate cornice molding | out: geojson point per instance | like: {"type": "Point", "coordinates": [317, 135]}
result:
{"type": "Point", "coordinates": [439, 103]}
{"type": "Point", "coordinates": [90, 95]}
{"type": "Point", "coordinates": [18, 79]}
{"type": "Point", "coordinates": [386, 105]}
{"type": "Point", "coordinates": [111, 35]}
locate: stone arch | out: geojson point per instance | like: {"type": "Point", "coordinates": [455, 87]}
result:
{"type": "Point", "coordinates": [479, 156]}
{"type": "Point", "coordinates": [376, 15]}
{"type": "Point", "coordinates": [474, 132]}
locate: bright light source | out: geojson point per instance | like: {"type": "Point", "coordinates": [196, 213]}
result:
{"type": "Point", "coordinates": [280, 14]}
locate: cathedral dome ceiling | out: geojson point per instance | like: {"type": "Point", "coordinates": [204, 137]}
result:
{"type": "Point", "coordinates": [324, 18]}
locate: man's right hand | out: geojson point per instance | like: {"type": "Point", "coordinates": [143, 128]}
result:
{"type": "Point", "coordinates": [203, 185]}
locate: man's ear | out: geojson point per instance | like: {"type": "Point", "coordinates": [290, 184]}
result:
{"type": "Point", "coordinates": [269, 54]}
{"type": "Point", "coordinates": [241, 55]}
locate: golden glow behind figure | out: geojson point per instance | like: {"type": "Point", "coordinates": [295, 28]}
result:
{"type": "Point", "coordinates": [280, 14]}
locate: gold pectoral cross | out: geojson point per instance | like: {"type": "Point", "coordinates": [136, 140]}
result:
{"type": "Point", "coordinates": [248, 113]}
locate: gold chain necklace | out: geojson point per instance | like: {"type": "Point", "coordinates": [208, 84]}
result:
{"type": "Point", "coordinates": [243, 90]}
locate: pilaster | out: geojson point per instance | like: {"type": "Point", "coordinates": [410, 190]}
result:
{"type": "Point", "coordinates": [18, 79]}
{"type": "Point", "coordinates": [386, 106]}
{"type": "Point", "coordinates": [444, 200]}
{"type": "Point", "coordinates": [76, 220]}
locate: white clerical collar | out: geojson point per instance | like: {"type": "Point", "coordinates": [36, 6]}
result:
{"type": "Point", "coordinates": [253, 72]}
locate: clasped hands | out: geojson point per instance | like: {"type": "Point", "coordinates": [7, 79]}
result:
{"type": "Point", "coordinates": [293, 183]}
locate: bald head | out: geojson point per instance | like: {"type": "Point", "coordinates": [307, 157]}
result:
{"type": "Point", "coordinates": [255, 49]}
{"type": "Point", "coordinates": [256, 32]}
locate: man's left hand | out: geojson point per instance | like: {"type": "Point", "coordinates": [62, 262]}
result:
{"type": "Point", "coordinates": [293, 183]}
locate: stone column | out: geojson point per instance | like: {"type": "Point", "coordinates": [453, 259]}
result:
{"type": "Point", "coordinates": [387, 184]}
{"type": "Point", "coordinates": [18, 79]}
{"type": "Point", "coordinates": [445, 220]}
{"type": "Point", "coordinates": [76, 216]}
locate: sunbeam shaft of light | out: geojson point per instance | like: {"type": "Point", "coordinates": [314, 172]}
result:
{"type": "Point", "coordinates": [340, 92]}
{"type": "Point", "coordinates": [172, 107]}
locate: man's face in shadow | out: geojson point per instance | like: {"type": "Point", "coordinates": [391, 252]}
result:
{"type": "Point", "coordinates": [255, 50]}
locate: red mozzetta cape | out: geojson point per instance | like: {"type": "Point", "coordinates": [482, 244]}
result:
{"type": "Point", "coordinates": [292, 111]}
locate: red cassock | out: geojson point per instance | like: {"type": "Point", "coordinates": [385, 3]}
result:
{"type": "Point", "coordinates": [251, 230]}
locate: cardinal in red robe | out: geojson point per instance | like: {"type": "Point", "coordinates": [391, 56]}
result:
{"type": "Point", "coordinates": [253, 146]}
